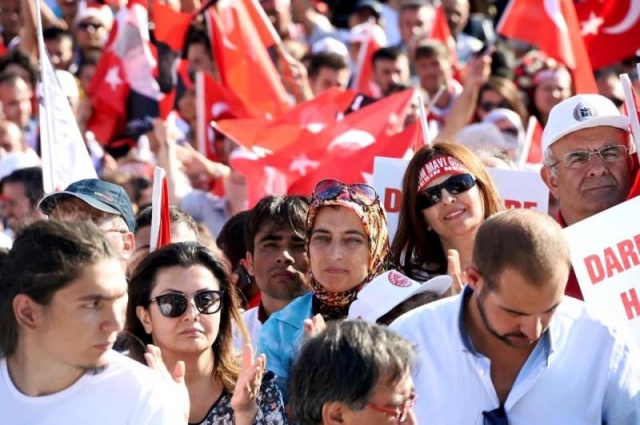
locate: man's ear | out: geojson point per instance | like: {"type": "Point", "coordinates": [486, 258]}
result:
{"type": "Point", "coordinates": [248, 263]}
{"type": "Point", "coordinates": [26, 311]}
{"type": "Point", "coordinates": [129, 244]}
{"type": "Point", "coordinates": [333, 413]}
{"type": "Point", "coordinates": [473, 276]}
{"type": "Point", "coordinates": [550, 180]}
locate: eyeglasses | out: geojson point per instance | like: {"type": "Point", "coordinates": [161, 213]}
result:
{"type": "Point", "coordinates": [174, 305]}
{"type": "Point", "coordinates": [86, 25]}
{"type": "Point", "coordinates": [488, 106]}
{"type": "Point", "coordinates": [454, 185]}
{"type": "Point", "coordinates": [399, 414]}
{"type": "Point", "coordinates": [360, 193]}
{"type": "Point", "coordinates": [496, 417]}
{"type": "Point", "coordinates": [579, 159]}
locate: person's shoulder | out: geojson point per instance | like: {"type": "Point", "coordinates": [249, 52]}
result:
{"type": "Point", "coordinates": [436, 314]}
{"type": "Point", "coordinates": [250, 315]}
{"type": "Point", "coordinates": [576, 316]}
{"type": "Point", "coordinates": [126, 369]}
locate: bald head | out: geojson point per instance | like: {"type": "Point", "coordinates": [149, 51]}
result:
{"type": "Point", "coordinates": [525, 241]}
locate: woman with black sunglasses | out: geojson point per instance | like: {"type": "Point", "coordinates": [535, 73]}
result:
{"type": "Point", "coordinates": [446, 195]}
{"type": "Point", "coordinates": [347, 243]}
{"type": "Point", "coordinates": [181, 300]}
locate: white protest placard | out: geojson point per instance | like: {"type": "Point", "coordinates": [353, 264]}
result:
{"type": "Point", "coordinates": [605, 254]}
{"type": "Point", "coordinates": [519, 189]}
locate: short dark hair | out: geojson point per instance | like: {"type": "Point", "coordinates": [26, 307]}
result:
{"type": "Point", "coordinates": [197, 34]}
{"type": "Point", "coordinates": [231, 239]}
{"type": "Point", "coordinates": [56, 33]}
{"type": "Point", "coordinates": [344, 363]}
{"type": "Point", "coordinates": [31, 179]}
{"type": "Point", "coordinates": [526, 241]}
{"type": "Point", "coordinates": [281, 211]}
{"type": "Point", "coordinates": [176, 216]}
{"type": "Point", "coordinates": [186, 254]}
{"type": "Point", "coordinates": [18, 57]}
{"type": "Point", "coordinates": [428, 49]}
{"type": "Point", "coordinates": [46, 256]}
{"type": "Point", "coordinates": [329, 60]}
{"type": "Point", "coordinates": [387, 53]}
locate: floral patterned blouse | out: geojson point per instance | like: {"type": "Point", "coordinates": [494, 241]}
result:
{"type": "Point", "coordinates": [270, 406]}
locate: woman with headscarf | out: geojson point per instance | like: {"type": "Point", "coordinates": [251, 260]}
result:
{"type": "Point", "coordinates": [347, 243]}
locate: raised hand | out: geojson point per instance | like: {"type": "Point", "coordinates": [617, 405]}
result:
{"type": "Point", "coordinates": [314, 325]}
{"type": "Point", "coordinates": [247, 388]}
{"type": "Point", "coordinates": [455, 271]}
{"type": "Point", "coordinates": [153, 357]}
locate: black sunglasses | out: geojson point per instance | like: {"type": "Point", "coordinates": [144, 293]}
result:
{"type": "Point", "coordinates": [454, 185]}
{"type": "Point", "coordinates": [87, 25]}
{"type": "Point", "coordinates": [488, 106]}
{"type": "Point", "coordinates": [360, 193]}
{"type": "Point", "coordinates": [174, 305]}
{"type": "Point", "coordinates": [496, 416]}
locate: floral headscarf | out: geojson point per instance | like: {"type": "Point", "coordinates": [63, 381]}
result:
{"type": "Point", "coordinates": [335, 305]}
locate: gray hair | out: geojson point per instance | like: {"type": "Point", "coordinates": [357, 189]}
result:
{"type": "Point", "coordinates": [344, 363]}
{"type": "Point", "coordinates": [550, 161]}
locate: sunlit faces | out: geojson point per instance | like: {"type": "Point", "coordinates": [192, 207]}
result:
{"type": "Point", "coordinates": [78, 328]}
{"type": "Point", "coordinates": [90, 33]}
{"type": "Point", "coordinates": [339, 249]}
{"type": "Point", "coordinates": [16, 207]}
{"type": "Point", "coordinates": [551, 90]}
{"type": "Point", "coordinates": [414, 21]}
{"type": "Point", "coordinates": [387, 72]}
{"type": "Point", "coordinates": [386, 398]}
{"type": "Point", "coordinates": [598, 185]}
{"type": "Point", "coordinates": [516, 312]}
{"type": "Point", "coordinates": [456, 214]}
{"type": "Point", "coordinates": [193, 332]}
{"type": "Point", "coordinates": [279, 262]}
{"type": "Point", "coordinates": [328, 78]}
{"type": "Point", "coordinates": [433, 72]}
{"type": "Point", "coordinates": [16, 102]}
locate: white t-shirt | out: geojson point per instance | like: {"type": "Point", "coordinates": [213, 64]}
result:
{"type": "Point", "coordinates": [125, 392]}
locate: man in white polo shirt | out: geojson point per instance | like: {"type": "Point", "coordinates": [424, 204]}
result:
{"type": "Point", "coordinates": [511, 348]}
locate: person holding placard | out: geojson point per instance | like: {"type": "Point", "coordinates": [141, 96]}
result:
{"type": "Point", "coordinates": [511, 348]}
{"type": "Point", "coordinates": [446, 195]}
{"type": "Point", "coordinates": [587, 163]}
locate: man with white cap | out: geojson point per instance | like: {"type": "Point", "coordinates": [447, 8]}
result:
{"type": "Point", "coordinates": [587, 165]}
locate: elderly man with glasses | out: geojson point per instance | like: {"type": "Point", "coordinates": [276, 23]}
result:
{"type": "Point", "coordinates": [587, 163]}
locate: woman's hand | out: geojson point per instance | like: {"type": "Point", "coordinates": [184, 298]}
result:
{"type": "Point", "coordinates": [314, 325]}
{"type": "Point", "coordinates": [455, 271]}
{"type": "Point", "coordinates": [245, 393]}
{"type": "Point", "coordinates": [153, 357]}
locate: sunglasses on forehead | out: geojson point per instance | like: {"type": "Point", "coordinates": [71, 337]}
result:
{"type": "Point", "coordinates": [360, 193]}
{"type": "Point", "coordinates": [175, 304]}
{"type": "Point", "coordinates": [453, 185]}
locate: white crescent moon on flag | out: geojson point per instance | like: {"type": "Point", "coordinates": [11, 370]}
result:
{"type": "Point", "coordinates": [629, 20]}
{"type": "Point", "coordinates": [352, 140]}
{"type": "Point", "coordinates": [218, 108]}
{"type": "Point", "coordinates": [552, 7]}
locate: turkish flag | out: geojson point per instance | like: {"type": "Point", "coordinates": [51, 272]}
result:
{"type": "Point", "coordinates": [442, 33]}
{"type": "Point", "coordinates": [356, 166]}
{"type": "Point", "coordinates": [611, 29]}
{"type": "Point", "coordinates": [160, 218]}
{"type": "Point", "coordinates": [552, 26]}
{"type": "Point", "coordinates": [632, 109]}
{"type": "Point", "coordinates": [533, 139]}
{"type": "Point", "coordinates": [215, 102]}
{"type": "Point", "coordinates": [302, 121]}
{"type": "Point", "coordinates": [244, 63]}
{"type": "Point", "coordinates": [261, 23]}
{"type": "Point", "coordinates": [347, 135]}
{"type": "Point", "coordinates": [363, 82]}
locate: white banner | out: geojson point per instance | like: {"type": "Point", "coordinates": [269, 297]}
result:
{"type": "Point", "coordinates": [605, 254]}
{"type": "Point", "coordinates": [519, 189]}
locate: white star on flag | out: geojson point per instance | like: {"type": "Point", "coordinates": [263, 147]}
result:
{"type": "Point", "coordinates": [112, 78]}
{"type": "Point", "coordinates": [301, 163]}
{"type": "Point", "coordinates": [591, 25]}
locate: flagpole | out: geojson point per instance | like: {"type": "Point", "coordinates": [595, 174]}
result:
{"type": "Point", "coordinates": [528, 139]}
{"type": "Point", "coordinates": [47, 174]}
{"type": "Point", "coordinates": [422, 114]}
{"type": "Point", "coordinates": [632, 110]}
{"type": "Point", "coordinates": [362, 55]}
{"type": "Point", "coordinates": [201, 131]}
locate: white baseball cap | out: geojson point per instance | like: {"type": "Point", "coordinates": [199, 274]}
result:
{"type": "Point", "coordinates": [390, 289]}
{"type": "Point", "coordinates": [579, 112]}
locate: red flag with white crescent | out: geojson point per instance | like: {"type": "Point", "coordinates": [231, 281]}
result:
{"type": "Point", "coordinates": [160, 218]}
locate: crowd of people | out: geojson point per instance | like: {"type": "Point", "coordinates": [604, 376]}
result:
{"type": "Point", "coordinates": [253, 312]}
